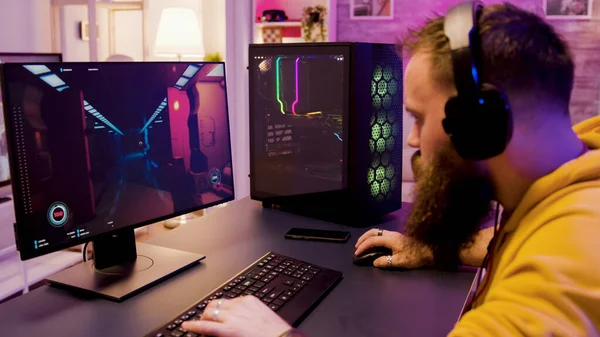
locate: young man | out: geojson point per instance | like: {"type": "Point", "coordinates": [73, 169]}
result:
{"type": "Point", "coordinates": [542, 273]}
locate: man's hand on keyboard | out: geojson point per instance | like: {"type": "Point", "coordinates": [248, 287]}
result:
{"type": "Point", "coordinates": [244, 316]}
{"type": "Point", "coordinates": [407, 253]}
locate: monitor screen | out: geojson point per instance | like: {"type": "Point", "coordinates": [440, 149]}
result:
{"type": "Point", "coordinates": [297, 115]}
{"type": "Point", "coordinates": [101, 146]}
{"type": "Point", "coordinates": [16, 57]}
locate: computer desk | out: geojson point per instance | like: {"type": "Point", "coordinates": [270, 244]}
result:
{"type": "Point", "coordinates": [367, 302]}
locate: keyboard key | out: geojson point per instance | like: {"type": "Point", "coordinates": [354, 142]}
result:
{"type": "Point", "coordinates": [266, 290]}
{"type": "Point", "coordinates": [240, 288]}
{"type": "Point", "coordinates": [284, 298]}
{"type": "Point", "coordinates": [226, 288]}
{"type": "Point", "coordinates": [219, 294]}
{"type": "Point", "coordinates": [182, 330]}
{"type": "Point", "coordinates": [296, 289]}
{"type": "Point", "coordinates": [266, 299]}
{"type": "Point", "coordinates": [190, 334]}
{"type": "Point", "coordinates": [259, 284]}
{"type": "Point", "coordinates": [191, 313]}
{"type": "Point", "coordinates": [274, 307]}
{"type": "Point", "coordinates": [279, 270]}
{"type": "Point", "coordinates": [254, 289]}
{"type": "Point", "coordinates": [241, 278]}
{"type": "Point", "coordinates": [306, 278]}
{"type": "Point", "coordinates": [261, 264]}
{"type": "Point", "coordinates": [178, 322]}
{"type": "Point", "coordinates": [159, 335]}
{"type": "Point", "coordinates": [289, 283]}
{"type": "Point", "coordinates": [278, 302]}
{"type": "Point", "coordinates": [247, 283]}
{"type": "Point", "coordinates": [297, 275]}
{"type": "Point", "coordinates": [236, 291]}
{"type": "Point", "coordinates": [289, 273]}
{"type": "Point", "coordinates": [185, 317]}
{"type": "Point", "coordinates": [232, 284]}
{"type": "Point", "coordinates": [176, 333]}
{"type": "Point", "coordinates": [231, 295]}
{"type": "Point", "coordinates": [289, 293]}
{"type": "Point", "coordinates": [201, 306]}
{"type": "Point", "coordinates": [171, 327]}
{"type": "Point", "coordinates": [274, 294]}
{"type": "Point", "coordinates": [248, 292]}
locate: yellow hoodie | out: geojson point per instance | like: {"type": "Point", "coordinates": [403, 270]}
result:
{"type": "Point", "coordinates": [545, 275]}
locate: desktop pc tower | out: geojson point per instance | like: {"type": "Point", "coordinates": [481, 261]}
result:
{"type": "Point", "coordinates": [326, 129]}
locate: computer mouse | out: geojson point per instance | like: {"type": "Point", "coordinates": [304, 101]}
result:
{"type": "Point", "coordinates": [370, 255]}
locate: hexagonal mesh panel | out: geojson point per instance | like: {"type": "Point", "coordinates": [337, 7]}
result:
{"type": "Point", "coordinates": [386, 128]}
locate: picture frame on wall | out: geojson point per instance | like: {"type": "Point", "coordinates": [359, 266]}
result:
{"type": "Point", "coordinates": [568, 9]}
{"type": "Point", "coordinates": [372, 9]}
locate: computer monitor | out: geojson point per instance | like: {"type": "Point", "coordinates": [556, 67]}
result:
{"type": "Point", "coordinates": [16, 57]}
{"type": "Point", "coordinates": [98, 149]}
{"type": "Point", "coordinates": [326, 129]}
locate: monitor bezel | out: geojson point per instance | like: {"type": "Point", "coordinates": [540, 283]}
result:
{"type": "Point", "coordinates": [10, 54]}
{"type": "Point", "coordinates": [343, 48]}
{"type": "Point", "coordinates": [26, 250]}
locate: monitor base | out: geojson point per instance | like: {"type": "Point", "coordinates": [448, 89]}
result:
{"type": "Point", "coordinates": [117, 283]}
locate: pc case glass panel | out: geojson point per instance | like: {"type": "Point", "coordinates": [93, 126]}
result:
{"type": "Point", "coordinates": [298, 107]}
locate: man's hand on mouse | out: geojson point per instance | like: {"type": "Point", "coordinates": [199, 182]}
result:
{"type": "Point", "coordinates": [407, 253]}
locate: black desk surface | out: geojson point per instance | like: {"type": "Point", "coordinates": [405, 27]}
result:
{"type": "Point", "coordinates": [367, 302]}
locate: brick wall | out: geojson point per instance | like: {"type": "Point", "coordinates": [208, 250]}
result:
{"type": "Point", "coordinates": [583, 37]}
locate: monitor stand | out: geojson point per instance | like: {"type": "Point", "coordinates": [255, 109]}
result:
{"type": "Point", "coordinates": [121, 268]}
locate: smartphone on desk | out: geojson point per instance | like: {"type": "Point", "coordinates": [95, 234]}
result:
{"type": "Point", "coordinates": [317, 235]}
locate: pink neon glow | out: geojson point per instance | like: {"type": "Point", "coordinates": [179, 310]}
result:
{"type": "Point", "coordinates": [297, 88]}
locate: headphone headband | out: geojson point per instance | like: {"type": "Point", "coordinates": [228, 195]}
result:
{"type": "Point", "coordinates": [478, 120]}
{"type": "Point", "coordinates": [460, 27]}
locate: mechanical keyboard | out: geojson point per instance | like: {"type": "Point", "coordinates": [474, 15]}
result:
{"type": "Point", "coordinates": [290, 287]}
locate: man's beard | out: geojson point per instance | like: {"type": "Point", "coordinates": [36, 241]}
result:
{"type": "Point", "coordinates": [452, 198]}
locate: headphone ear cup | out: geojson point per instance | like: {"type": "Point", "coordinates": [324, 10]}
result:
{"type": "Point", "coordinates": [479, 127]}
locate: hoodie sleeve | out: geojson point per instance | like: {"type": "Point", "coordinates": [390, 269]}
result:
{"type": "Point", "coordinates": [550, 288]}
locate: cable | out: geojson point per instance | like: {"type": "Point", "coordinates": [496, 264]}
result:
{"type": "Point", "coordinates": [490, 246]}
{"type": "Point", "coordinates": [84, 250]}
{"type": "Point", "coordinates": [486, 260]}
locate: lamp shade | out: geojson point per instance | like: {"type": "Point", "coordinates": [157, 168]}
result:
{"type": "Point", "coordinates": [178, 33]}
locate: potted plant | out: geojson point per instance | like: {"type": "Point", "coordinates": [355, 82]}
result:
{"type": "Point", "coordinates": [314, 17]}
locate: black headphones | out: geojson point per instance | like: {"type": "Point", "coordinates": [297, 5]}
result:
{"type": "Point", "coordinates": [478, 120]}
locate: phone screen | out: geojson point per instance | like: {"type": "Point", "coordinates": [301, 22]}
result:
{"type": "Point", "coordinates": [317, 234]}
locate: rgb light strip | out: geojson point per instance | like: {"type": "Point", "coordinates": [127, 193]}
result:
{"type": "Point", "coordinates": [278, 84]}
{"type": "Point", "coordinates": [297, 88]}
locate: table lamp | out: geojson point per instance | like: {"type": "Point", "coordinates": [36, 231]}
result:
{"type": "Point", "coordinates": [179, 34]}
